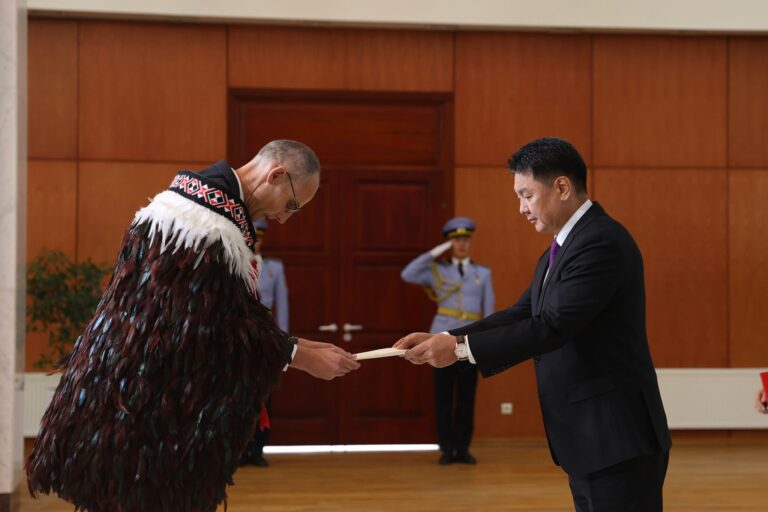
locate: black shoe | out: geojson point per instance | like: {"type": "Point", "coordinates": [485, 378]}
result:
{"type": "Point", "coordinates": [445, 458]}
{"type": "Point", "coordinates": [465, 458]}
{"type": "Point", "coordinates": [260, 461]}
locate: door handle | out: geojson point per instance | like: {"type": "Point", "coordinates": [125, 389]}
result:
{"type": "Point", "coordinates": [328, 328]}
{"type": "Point", "coordinates": [348, 328]}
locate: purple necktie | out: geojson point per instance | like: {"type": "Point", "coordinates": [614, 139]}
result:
{"type": "Point", "coordinates": [553, 252]}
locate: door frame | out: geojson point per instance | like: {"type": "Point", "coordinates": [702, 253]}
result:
{"type": "Point", "coordinates": [444, 102]}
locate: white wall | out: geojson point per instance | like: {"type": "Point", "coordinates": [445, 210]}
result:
{"type": "Point", "coordinates": [13, 202]}
{"type": "Point", "coordinates": [664, 15]}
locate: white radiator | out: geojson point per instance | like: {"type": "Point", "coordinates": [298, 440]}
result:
{"type": "Point", "coordinates": [694, 398]}
{"type": "Point", "coordinates": [38, 391]}
{"type": "Point", "coordinates": [711, 398]}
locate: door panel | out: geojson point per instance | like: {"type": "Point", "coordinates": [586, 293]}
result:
{"type": "Point", "coordinates": [366, 130]}
{"type": "Point", "coordinates": [392, 216]}
{"type": "Point", "coordinates": [305, 409]}
{"type": "Point", "coordinates": [381, 202]}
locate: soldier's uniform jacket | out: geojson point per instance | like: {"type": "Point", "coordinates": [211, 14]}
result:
{"type": "Point", "coordinates": [460, 300]}
{"type": "Point", "coordinates": [273, 291]}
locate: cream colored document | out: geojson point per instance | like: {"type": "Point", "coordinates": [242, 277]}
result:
{"type": "Point", "coordinates": [382, 352]}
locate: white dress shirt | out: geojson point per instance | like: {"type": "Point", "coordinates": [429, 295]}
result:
{"type": "Point", "coordinates": [464, 263]}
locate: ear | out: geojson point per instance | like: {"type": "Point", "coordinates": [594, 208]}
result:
{"type": "Point", "coordinates": [275, 173]}
{"type": "Point", "coordinates": [563, 187]}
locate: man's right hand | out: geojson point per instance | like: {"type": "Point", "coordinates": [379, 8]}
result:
{"type": "Point", "coordinates": [323, 360]}
{"type": "Point", "coordinates": [440, 249]}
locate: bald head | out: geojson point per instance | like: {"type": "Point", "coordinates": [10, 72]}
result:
{"type": "Point", "coordinates": [296, 157]}
{"type": "Point", "coordinates": [282, 178]}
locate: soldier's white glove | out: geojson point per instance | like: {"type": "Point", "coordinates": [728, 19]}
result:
{"type": "Point", "coordinates": [440, 249]}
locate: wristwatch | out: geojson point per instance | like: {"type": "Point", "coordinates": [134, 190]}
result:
{"type": "Point", "coordinates": [461, 351]}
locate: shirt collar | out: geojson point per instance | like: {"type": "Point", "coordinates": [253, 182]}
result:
{"type": "Point", "coordinates": [456, 261]}
{"type": "Point", "coordinates": [578, 214]}
{"type": "Point", "coordinates": [239, 185]}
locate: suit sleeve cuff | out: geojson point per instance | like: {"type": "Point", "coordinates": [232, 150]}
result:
{"type": "Point", "coordinates": [295, 343]}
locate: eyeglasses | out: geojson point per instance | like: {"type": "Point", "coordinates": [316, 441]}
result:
{"type": "Point", "coordinates": [292, 206]}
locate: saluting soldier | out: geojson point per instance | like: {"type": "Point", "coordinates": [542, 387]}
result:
{"type": "Point", "coordinates": [463, 291]}
{"type": "Point", "coordinates": [273, 293]}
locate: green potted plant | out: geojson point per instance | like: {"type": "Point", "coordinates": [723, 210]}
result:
{"type": "Point", "coordinates": [63, 296]}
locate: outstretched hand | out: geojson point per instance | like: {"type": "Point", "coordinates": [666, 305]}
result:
{"type": "Point", "coordinates": [320, 344]}
{"type": "Point", "coordinates": [323, 360]}
{"type": "Point", "coordinates": [434, 349]}
{"type": "Point", "coordinates": [413, 339]}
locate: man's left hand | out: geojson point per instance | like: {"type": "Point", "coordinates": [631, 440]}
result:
{"type": "Point", "coordinates": [437, 351]}
{"type": "Point", "coordinates": [761, 402]}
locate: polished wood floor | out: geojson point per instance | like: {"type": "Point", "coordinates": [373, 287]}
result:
{"type": "Point", "coordinates": [704, 475]}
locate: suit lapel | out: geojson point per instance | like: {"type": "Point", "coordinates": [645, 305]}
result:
{"type": "Point", "coordinates": [594, 212]}
{"type": "Point", "coordinates": [538, 278]}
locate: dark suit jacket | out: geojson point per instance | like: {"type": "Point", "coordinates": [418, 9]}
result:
{"type": "Point", "coordinates": [585, 329]}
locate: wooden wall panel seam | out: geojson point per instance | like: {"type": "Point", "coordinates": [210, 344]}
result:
{"type": "Point", "coordinates": [591, 179]}
{"type": "Point", "coordinates": [145, 161]}
{"type": "Point", "coordinates": [77, 148]}
{"type": "Point", "coordinates": [728, 352]}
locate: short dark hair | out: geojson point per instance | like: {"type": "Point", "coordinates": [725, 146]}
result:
{"type": "Point", "coordinates": [296, 156]}
{"type": "Point", "coordinates": [548, 158]}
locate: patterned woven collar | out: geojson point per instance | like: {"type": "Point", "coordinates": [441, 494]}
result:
{"type": "Point", "coordinates": [202, 191]}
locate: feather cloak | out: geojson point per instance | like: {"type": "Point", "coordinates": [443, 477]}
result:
{"type": "Point", "coordinates": [163, 390]}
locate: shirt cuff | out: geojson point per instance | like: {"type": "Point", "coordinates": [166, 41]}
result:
{"type": "Point", "coordinates": [293, 354]}
{"type": "Point", "coordinates": [470, 357]}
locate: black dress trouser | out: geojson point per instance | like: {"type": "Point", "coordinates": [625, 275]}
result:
{"type": "Point", "coordinates": [633, 485]}
{"type": "Point", "coordinates": [455, 387]}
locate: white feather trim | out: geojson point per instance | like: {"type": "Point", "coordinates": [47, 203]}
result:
{"type": "Point", "coordinates": [184, 224]}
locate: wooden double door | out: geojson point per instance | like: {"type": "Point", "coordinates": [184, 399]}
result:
{"type": "Point", "coordinates": [383, 197]}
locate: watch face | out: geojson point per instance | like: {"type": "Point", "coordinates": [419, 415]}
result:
{"type": "Point", "coordinates": [461, 350]}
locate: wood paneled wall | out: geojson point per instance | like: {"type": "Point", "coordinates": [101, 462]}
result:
{"type": "Point", "coordinates": [673, 129]}
{"type": "Point", "coordinates": [512, 88]}
{"type": "Point", "coordinates": [659, 101]}
{"type": "Point", "coordinates": [370, 60]}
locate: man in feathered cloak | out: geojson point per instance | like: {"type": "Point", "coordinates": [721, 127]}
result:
{"type": "Point", "coordinates": [165, 387]}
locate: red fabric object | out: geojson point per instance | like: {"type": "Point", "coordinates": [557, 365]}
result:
{"type": "Point", "coordinates": [264, 419]}
{"type": "Point", "coordinates": [764, 376]}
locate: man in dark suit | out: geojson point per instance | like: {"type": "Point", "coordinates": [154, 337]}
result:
{"type": "Point", "coordinates": [582, 320]}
